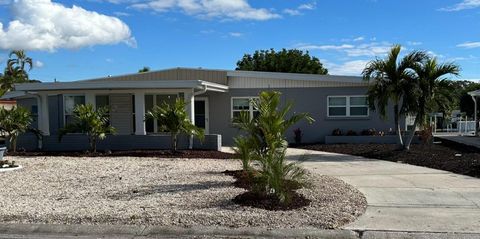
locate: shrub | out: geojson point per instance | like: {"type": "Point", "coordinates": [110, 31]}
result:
{"type": "Point", "coordinates": [369, 132]}
{"type": "Point", "coordinates": [243, 149]}
{"type": "Point", "coordinates": [337, 132]}
{"type": "Point", "coordinates": [93, 123]}
{"type": "Point", "coordinates": [266, 133]}
{"type": "Point", "coordinates": [351, 133]}
{"type": "Point", "coordinates": [298, 135]}
{"type": "Point", "coordinates": [14, 122]}
{"type": "Point", "coordinates": [173, 118]}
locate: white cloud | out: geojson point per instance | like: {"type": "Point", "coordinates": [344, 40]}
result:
{"type": "Point", "coordinates": [224, 9]}
{"type": "Point", "coordinates": [469, 45]}
{"type": "Point", "coordinates": [308, 6]}
{"type": "Point", "coordinates": [236, 34]}
{"type": "Point", "coordinates": [359, 39]}
{"type": "Point", "coordinates": [44, 25]}
{"type": "Point", "coordinates": [354, 68]}
{"type": "Point", "coordinates": [465, 4]}
{"type": "Point", "coordinates": [366, 49]}
{"type": "Point", "coordinates": [292, 12]}
{"type": "Point", "coordinates": [414, 43]}
{"type": "Point", "coordinates": [122, 14]}
{"type": "Point", "coordinates": [38, 64]}
{"type": "Point", "coordinates": [4, 2]}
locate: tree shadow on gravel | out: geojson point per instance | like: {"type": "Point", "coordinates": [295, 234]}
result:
{"type": "Point", "coordinates": [169, 188]}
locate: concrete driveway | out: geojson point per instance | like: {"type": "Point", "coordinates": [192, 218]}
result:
{"type": "Point", "coordinates": [403, 197]}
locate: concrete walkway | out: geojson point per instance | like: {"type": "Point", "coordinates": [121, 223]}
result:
{"type": "Point", "coordinates": [403, 197]}
{"type": "Point", "coordinates": [468, 140]}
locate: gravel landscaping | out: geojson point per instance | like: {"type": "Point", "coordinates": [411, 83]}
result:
{"type": "Point", "coordinates": [152, 191]}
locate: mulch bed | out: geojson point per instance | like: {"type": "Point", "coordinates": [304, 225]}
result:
{"type": "Point", "coordinates": [443, 154]}
{"type": "Point", "coordinates": [211, 154]}
{"type": "Point", "coordinates": [268, 202]}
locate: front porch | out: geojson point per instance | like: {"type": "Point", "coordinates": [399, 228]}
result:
{"type": "Point", "coordinates": [52, 107]}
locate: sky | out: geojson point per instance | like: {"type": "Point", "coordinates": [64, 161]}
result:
{"type": "Point", "coordinates": [82, 39]}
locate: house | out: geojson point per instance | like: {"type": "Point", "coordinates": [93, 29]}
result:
{"type": "Point", "coordinates": [215, 97]}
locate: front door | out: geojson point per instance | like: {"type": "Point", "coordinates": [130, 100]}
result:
{"type": "Point", "coordinates": [201, 113]}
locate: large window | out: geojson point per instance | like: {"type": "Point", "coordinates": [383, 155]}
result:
{"type": "Point", "coordinates": [347, 106]}
{"type": "Point", "coordinates": [151, 125]}
{"type": "Point", "coordinates": [69, 103]}
{"type": "Point", "coordinates": [240, 104]}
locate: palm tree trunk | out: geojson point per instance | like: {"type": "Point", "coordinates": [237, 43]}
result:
{"type": "Point", "coordinates": [412, 133]}
{"type": "Point", "coordinates": [397, 126]}
{"type": "Point", "coordinates": [174, 143]}
{"type": "Point", "coordinates": [13, 142]}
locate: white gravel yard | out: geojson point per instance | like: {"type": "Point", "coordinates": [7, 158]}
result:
{"type": "Point", "coordinates": [181, 192]}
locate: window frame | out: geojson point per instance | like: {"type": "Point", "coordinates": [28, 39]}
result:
{"type": "Point", "coordinates": [250, 106]}
{"type": "Point", "coordinates": [155, 122]}
{"type": "Point", "coordinates": [347, 106]}
{"type": "Point", "coordinates": [64, 109]}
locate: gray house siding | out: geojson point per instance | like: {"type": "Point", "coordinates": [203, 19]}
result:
{"type": "Point", "coordinates": [311, 100]}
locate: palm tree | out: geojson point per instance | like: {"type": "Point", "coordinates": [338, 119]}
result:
{"type": "Point", "coordinates": [430, 90]}
{"type": "Point", "coordinates": [14, 122]}
{"type": "Point", "coordinates": [266, 139]}
{"type": "Point", "coordinates": [93, 123]}
{"type": "Point", "coordinates": [173, 118]}
{"type": "Point", "coordinates": [15, 71]}
{"type": "Point", "coordinates": [389, 79]}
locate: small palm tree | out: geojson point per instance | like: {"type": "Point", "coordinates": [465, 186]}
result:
{"type": "Point", "coordinates": [93, 123]}
{"type": "Point", "coordinates": [429, 89]}
{"type": "Point", "coordinates": [173, 118]}
{"type": "Point", "coordinates": [266, 135]}
{"type": "Point", "coordinates": [389, 80]}
{"type": "Point", "coordinates": [14, 122]}
{"type": "Point", "coordinates": [15, 72]}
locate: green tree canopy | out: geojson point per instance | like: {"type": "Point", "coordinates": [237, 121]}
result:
{"type": "Point", "coordinates": [144, 69]}
{"type": "Point", "coordinates": [289, 61]}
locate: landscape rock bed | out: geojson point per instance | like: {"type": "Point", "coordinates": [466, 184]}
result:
{"type": "Point", "coordinates": [153, 191]}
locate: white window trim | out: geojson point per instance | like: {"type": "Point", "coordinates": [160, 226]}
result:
{"type": "Point", "coordinates": [63, 103]}
{"type": "Point", "coordinates": [250, 107]}
{"type": "Point", "coordinates": [347, 106]}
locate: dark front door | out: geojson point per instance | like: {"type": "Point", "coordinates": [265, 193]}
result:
{"type": "Point", "coordinates": [201, 114]}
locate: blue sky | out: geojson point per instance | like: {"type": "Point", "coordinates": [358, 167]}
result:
{"type": "Point", "coordinates": [81, 39]}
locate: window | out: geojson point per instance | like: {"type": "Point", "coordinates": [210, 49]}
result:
{"type": "Point", "coordinates": [151, 125]}
{"type": "Point", "coordinates": [240, 104]}
{"type": "Point", "coordinates": [103, 101]}
{"type": "Point", "coordinates": [69, 103]}
{"type": "Point", "coordinates": [347, 106]}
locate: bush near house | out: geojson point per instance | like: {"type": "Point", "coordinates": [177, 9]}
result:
{"type": "Point", "coordinates": [92, 122]}
{"type": "Point", "coordinates": [274, 184]}
{"type": "Point", "coordinates": [14, 122]}
{"type": "Point", "coordinates": [173, 118]}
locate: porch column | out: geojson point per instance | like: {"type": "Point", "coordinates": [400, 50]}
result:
{"type": "Point", "coordinates": [44, 122]}
{"type": "Point", "coordinates": [190, 108]}
{"type": "Point", "coordinates": [140, 113]}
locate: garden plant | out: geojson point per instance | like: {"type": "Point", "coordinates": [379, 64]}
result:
{"type": "Point", "coordinates": [265, 142]}
{"type": "Point", "coordinates": [14, 122]}
{"type": "Point", "coordinates": [90, 121]}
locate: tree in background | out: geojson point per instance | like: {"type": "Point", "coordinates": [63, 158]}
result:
{"type": "Point", "coordinates": [390, 81]}
{"type": "Point", "coordinates": [290, 61]}
{"type": "Point", "coordinates": [173, 118]}
{"type": "Point", "coordinates": [144, 69]}
{"type": "Point", "coordinates": [14, 122]}
{"type": "Point", "coordinates": [15, 71]}
{"type": "Point", "coordinates": [94, 123]}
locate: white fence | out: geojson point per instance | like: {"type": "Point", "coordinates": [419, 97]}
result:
{"type": "Point", "coordinates": [466, 127]}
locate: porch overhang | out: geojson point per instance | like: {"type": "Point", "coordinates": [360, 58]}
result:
{"type": "Point", "coordinates": [120, 85]}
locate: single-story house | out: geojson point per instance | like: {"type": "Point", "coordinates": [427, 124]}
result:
{"type": "Point", "coordinates": [214, 97]}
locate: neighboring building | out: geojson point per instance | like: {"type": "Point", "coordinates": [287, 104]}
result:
{"type": "Point", "coordinates": [218, 95]}
{"type": "Point", "coordinates": [7, 104]}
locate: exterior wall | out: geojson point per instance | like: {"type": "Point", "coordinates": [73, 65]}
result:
{"type": "Point", "coordinates": [121, 116]}
{"type": "Point", "coordinates": [311, 100]}
{"type": "Point", "coordinates": [28, 103]}
{"type": "Point", "coordinates": [79, 142]}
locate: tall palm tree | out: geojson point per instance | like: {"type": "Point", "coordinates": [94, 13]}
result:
{"type": "Point", "coordinates": [389, 78]}
{"type": "Point", "coordinates": [430, 90]}
{"type": "Point", "coordinates": [15, 71]}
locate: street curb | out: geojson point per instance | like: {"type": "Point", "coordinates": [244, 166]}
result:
{"type": "Point", "coordinates": [154, 231]}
